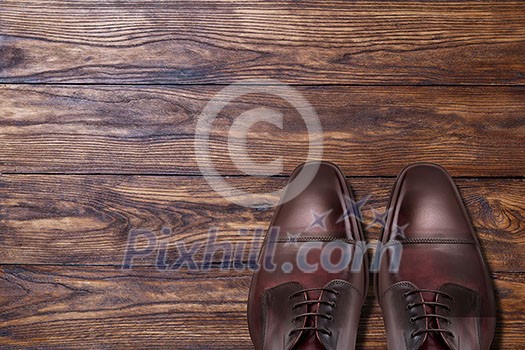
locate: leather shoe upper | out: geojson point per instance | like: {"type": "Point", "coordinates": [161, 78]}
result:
{"type": "Point", "coordinates": [312, 279]}
{"type": "Point", "coordinates": [439, 294]}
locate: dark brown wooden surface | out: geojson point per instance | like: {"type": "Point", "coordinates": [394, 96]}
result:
{"type": "Point", "coordinates": [98, 106]}
{"type": "Point", "coordinates": [372, 131]}
{"type": "Point", "coordinates": [217, 41]}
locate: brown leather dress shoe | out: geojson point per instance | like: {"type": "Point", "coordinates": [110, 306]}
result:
{"type": "Point", "coordinates": [312, 277]}
{"type": "Point", "coordinates": [441, 296]}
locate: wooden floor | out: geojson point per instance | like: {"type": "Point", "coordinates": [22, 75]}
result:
{"type": "Point", "coordinates": [98, 108]}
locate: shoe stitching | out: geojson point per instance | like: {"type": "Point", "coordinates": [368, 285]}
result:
{"type": "Point", "coordinates": [311, 238]}
{"type": "Point", "coordinates": [431, 241]}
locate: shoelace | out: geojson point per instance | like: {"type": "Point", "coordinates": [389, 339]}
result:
{"type": "Point", "coordinates": [313, 314]}
{"type": "Point", "coordinates": [431, 315]}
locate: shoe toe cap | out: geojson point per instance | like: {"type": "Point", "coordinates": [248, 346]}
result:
{"type": "Point", "coordinates": [428, 204]}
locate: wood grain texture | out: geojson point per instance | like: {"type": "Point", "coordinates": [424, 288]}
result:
{"type": "Point", "coordinates": [220, 41]}
{"type": "Point", "coordinates": [86, 219]}
{"type": "Point", "coordinates": [106, 308]}
{"type": "Point", "coordinates": [372, 131]}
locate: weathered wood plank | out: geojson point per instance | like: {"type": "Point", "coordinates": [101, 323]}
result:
{"type": "Point", "coordinates": [219, 41]}
{"type": "Point", "coordinates": [55, 307]}
{"type": "Point", "coordinates": [86, 219]}
{"type": "Point", "coordinates": [372, 131]}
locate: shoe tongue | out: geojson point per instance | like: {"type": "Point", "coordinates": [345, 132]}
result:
{"type": "Point", "coordinates": [308, 340]}
{"type": "Point", "coordinates": [434, 342]}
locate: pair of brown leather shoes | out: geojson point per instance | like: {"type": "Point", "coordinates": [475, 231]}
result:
{"type": "Point", "coordinates": [433, 285]}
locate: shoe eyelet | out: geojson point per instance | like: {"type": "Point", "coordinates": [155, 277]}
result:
{"type": "Point", "coordinates": [330, 317]}
{"type": "Point", "coordinates": [410, 306]}
{"type": "Point", "coordinates": [413, 334]}
{"type": "Point", "coordinates": [332, 304]}
{"type": "Point", "coordinates": [412, 320]}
